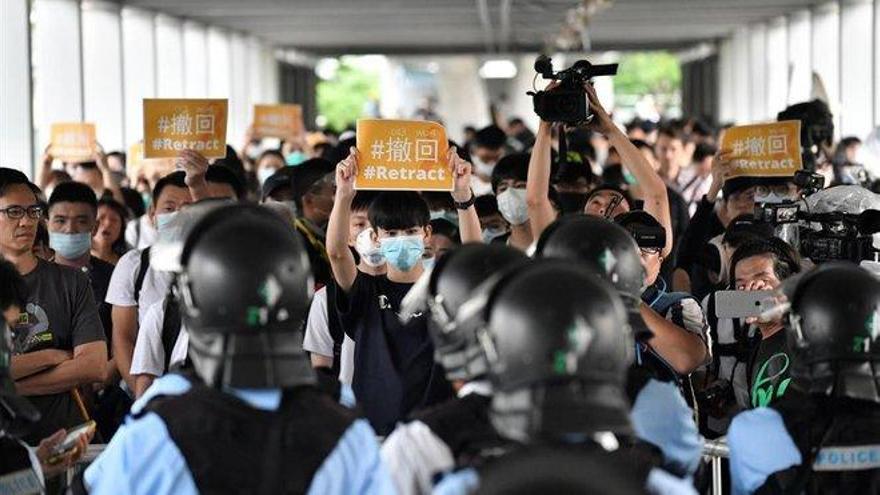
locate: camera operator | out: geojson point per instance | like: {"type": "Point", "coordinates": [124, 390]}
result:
{"type": "Point", "coordinates": [653, 189]}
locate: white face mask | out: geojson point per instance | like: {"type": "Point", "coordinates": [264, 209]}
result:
{"type": "Point", "coordinates": [368, 250]}
{"type": "Point", "coordinates": [264, 173]}
{"type": "Point", "coordinates": [512, 205]}
{"type": "Point", "coordinates": [483, 168]}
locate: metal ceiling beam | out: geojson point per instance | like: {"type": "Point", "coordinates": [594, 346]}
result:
{"type": "Point", "coordinates": [486, 23]}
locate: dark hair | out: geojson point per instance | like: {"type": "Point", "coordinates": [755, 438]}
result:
{"type": "Point", "coordinates": [849, 141]}
{"type": "Point", "coordinates": [133, 201]}
{"type": "Point", "coordinates": [90, 165]}
{"type": "Point", "coordinates": [42, 237]}
{"type": "Point", "coordinates": [59, 176]}
{"type": "Point", "coordinates": [514, 166]}
{"type": "Point", "coordinates": [674, 132]}
{"type": "Point", "coordinates": [120, 155]}
{"type": "Point", "coordinates": [395, 210]}
{"type": "Point", "coordinates": [486, 205]}
{"type": "Point", "coordinates": [11, 177]}
{"type": "Point", "coordinates": [610, 188]}
{"type": "Point", "coordinates": [74, 192]}
{"type": "Point", "coordinates": [362, 200]}
{"type": "Point", "coordinates": [219, 174]}
{"type": "Point", "coordinates": [515, 121]}
{"type": "Point", "coordinates": [119, 245]}
{"type": "Point", "coordinates": [442, 226]}
{"type": "Point", "coordinates": [703, 151]}
{"type": "Point", "coordinates": [176, 179]}
{"type": "Point", "coordinates": [786, 261]}
{"type": "Point", "coordinates": [571, 171]}
{"type": "Point", "coordinates": [13, 289]}
{"type": "Point", "coordinates": [491, 137]}
{"type": "Point", "coordinates": [643, 145]}
{"type": "Point", "coordinates": [744, 228]}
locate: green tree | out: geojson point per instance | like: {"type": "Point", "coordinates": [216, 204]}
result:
{"type": "Point", "coordinates": [341, 100]}
{"type": "Point", "coordinates": [642, 73]}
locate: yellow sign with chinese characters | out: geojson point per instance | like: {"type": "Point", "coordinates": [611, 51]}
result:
{"type": "Point", "coordinates": [279, 121]}
{"type": "Point", "coordinates": [151, 169]}
{"type": "Point", "coordinates": [73, 142]}
{"type": "Point", "coordinates": [764, 150]}
{"type": "Point", "coordinates": [171, 126]}
{"type": "Point", "coordinates": [402, 155]}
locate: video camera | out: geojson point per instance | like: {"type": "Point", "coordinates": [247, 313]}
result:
{"type": "Point", "coordinates": [567, 103]}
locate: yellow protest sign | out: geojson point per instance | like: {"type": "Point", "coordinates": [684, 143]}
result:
{"type": "Point", "coordinates": [764, 150]}
{"type": "Point", "coordinates": [403, 155]}
{"type": "Point", "coordinates": [280, 121]}
{"type": "Point", "coordinates": [171, 126]}
{"type": "Point", "coordinates": [152, 169]}
{"type": "Point", "coordinates": [73, 141]}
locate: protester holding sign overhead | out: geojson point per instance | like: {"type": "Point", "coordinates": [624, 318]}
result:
{"type": "Point", "coordinates": [394, 370]}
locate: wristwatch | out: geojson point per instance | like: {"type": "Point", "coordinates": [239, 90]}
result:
{"type": "Point", "coordinates": [467, 204]}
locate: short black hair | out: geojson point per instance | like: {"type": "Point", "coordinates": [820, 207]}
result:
{"type": "Point", "coordinates": [643, 145]}
{"type": "Point", "coordinates": [13, 289]}
{"type": "Point", "coordinates": [703, 151]}
{"type": "Point", "coordinates": [673, 131]}
{"type": "Point", "coordinates": [176, 179]}
{"type": "Point", "coordinates": [608, 187]}
{"type": "Point", "coordinates": [219, 174]}
{"type": "Point", "coordinates": [744, 228]}
{"type": "Point", "coordinates": [274, 153]}
{"type": "Point", "coordinates": [849, 141]}
{"type": "Point", "coordinates": [11, 177]}
{"type": "Point", "coordinates": [786, 261]}
{"type": "Point", "coordinates": [362, 200]}
{"type": "Point", "coordinates": [42, 237]}
{"type": "Point", "coordinates": [74, 192]}
{"type": "Point", "coordinates": [442, 226]}
{"type": "Point", "coordinates": [397, 210]}
{"type": "Point", "coordinates": [491, 137]}
{"type": "Point", "coordinates": [133, 201]}
{"type": "Point", "coordinates": [486, 205]}
{"type": "Point", "coordinates": [120, 155]}
{"type": "Point", "coordinates": [514, 166]}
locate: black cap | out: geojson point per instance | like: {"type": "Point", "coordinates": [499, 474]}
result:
{"type": "Point", "coordinates": [306, 174]}
{"type": "Point", "coordinates": [282, 178]}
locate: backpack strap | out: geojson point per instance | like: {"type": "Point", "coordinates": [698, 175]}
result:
{"type": "Point", "coordinates": [142, 273]}
{"type": "Point", "coordinates": [170, 328]}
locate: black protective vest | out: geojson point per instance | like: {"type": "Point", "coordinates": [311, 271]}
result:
{"type": "Point", "coordinates": [826, 431]}
{"type": "Point", "coordinates": [463, 424]}
{"type": "Point", "coordinates": [563, 470]}
{"type": "Point", "coordinates": [231, 447]}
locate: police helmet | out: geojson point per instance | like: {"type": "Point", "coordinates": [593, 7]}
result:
{"type": "Point", "coordinates": [558, 346]}
{"type": "Point", "coordinates": [602, 246]}
{"type": "Point", "coordinates": [452, 280]}
{"type": "Point", "coordinates": [245, 288]}
{"type": "Point", "coordinates": [834, 332]}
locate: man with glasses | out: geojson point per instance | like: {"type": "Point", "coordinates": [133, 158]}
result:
{"type": "Point", "coordinates": [58, 340]}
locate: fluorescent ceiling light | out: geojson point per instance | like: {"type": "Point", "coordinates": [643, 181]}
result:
{"type": "Point", "coordinates": [498, 69]}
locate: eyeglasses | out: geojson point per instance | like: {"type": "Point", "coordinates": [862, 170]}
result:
{"type": "Point", "coordinates": [17, 212]}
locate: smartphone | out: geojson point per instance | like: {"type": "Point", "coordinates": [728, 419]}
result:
{"type": "Point", "coordinates": [72, 437]}
{"type": "Point", "coordinates": [743, 304]}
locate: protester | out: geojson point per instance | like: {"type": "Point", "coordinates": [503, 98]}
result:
{"type": "Point", "coordinates": [674, 151]}
{"type": "Point", "coordinates": [58, 340]}
{"type": "Point", "coordinates": [489, 146]}
{"type": "Point", "coordinates": [313, 193]}
{"type": "Point", "coordinates": [108, 243]}
{"type": "Point", "coordinates": [394, 366]}
{"type": "Point", "coordinates": [492, 223]}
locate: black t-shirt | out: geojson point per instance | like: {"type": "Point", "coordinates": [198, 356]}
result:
{"type": "Point", "coordinates": [99, 272]}
{"type": "Point", "coordinates": [770, 370]}
{"type": "Point", "coordinates": [60, 314]}
{"type": "Point", "coordinates": [394, 369]}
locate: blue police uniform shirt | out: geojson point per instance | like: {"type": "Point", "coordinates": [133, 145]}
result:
{"type": "Point", "coordinates": [661, 417]}
{"type": "Point", "coordinates": [468, 481]}
{"type": "Point", "coordinates": [759, 446]}
{"type": "Point", "coordinates": [143, 459]}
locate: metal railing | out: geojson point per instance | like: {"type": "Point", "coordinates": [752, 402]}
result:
{"type": "Point", "coordinates": [716, 450]}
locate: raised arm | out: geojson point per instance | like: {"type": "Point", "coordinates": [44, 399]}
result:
{"type": "Point", "coordinates": [196, 167]}
{"type": "Point", "coordinates": [109, 182]}
{"type": "Point", "coordinates": [468, 221]}
{"type": "Point", "coordinates": [86, 367]}
{"type": "Point", "coordinates": [341, 259]}
{"type": "Point", "coordinates": [541, 212]}
{"type": "Point", "coordinates": [652, 185]}
{"type": "Point", "coordinates": [46, 169]}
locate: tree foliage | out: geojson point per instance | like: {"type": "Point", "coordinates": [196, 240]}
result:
{"type": "Point", "coordinates": [341, 100]}
{"type": "Point", "coordinates": [642, 73]}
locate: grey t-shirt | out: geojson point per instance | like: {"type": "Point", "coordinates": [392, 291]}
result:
{"type": "Point", "coordinates": [61, 314]}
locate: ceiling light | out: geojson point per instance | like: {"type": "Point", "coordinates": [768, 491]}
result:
{"type": "Point", "coordinates": [498, 69]}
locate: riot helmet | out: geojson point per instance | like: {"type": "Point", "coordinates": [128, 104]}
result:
{"type": "Point", "coordinates": [452, 280]}
{"type": "Point", "coordinates": [834, 332]}
{"type": "Point", "coordinates": [558, 347]}
{"type": "Point", "coordinates": [245, 288]}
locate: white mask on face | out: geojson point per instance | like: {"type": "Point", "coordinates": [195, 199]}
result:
{"type": "Point", "coordinates": [264, 173]}
{"type": "Point", "coordinates": [483, 168]}
{"type": "Point", "coordinates": [368, 250]}
{"type": "Point", "coordinates": [512, 205]}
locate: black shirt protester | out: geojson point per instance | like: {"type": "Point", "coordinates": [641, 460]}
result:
{"type": "Point", "coordinates": [394, 370]}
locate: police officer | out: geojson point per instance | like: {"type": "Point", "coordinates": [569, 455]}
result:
{"type": "Point", "coordinates": [250, 420]}
{"type": "Point", "coordinates": [660, 414]}
{"type": "Point", "coordinates": [823, 436]}
{"type": "Point", "coordinates": [558, 348]}
{"type": "Point", "coordinates": [455, 432]}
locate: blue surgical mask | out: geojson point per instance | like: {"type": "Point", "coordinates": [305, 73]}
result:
{"type": "Point", "coordinates": [428, 263]}
{"type": "Point", "coordinates": [70, 246]}
{"type": "Point", "coordinates": [295, 158]}
{"type": "Point", "coordinates": [491, 234]}
{"type": "Point", "coordinates": [403, 252]}
{"type": "Point", "coordinates": [163, 219]}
